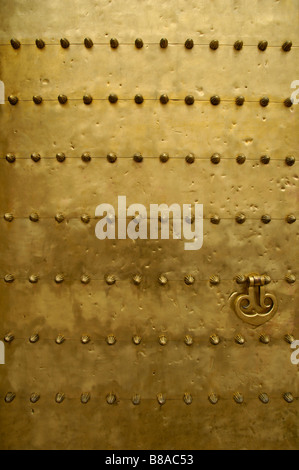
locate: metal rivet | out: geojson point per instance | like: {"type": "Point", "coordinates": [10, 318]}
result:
{"type": "Point", "coordinates": [291, 218]}
{"type": "Point", "coordinates": [264, 101]}
{"type": "Point", "coordinates": [111, 157]}
{"type": "Point", "coordinates": [35, 157]}
{"type": "Point", "coordinates": [264, 398]}
{"type": "Point", "coordinates": [85, 339]}
{"type": "Point", "coordinates": [86, 157]}
{"type": "Point", "coordinates": [136, 399]}
{"type": "Point", "coordinates": [60, 157]}
{"type": "Point", "coordinates": [111, 398]}
{"type": "Point", "coordinates": [240, 100]}
{"type": "Point", "coordinates": [34, 338]}
{"type": "Point", "coordinates": [189, 279]}
{"type": "Point", "coordinates": [13, 100]}
{"type": "Point", "coordinates": [9, 338]}
{"type": "Point", "coordinates": [138, 43]}
{"type": "Point", "coordinates": [190, 158]}
{"type": "Point", "coordinates": [87, 99]}
{"type": "Point", "coordinates": [239, 339]}
{"type": "Point", "coordinates": [164, 157]}
{"type": "Point", "coordinates": [59, 278]}
{"type": "Point", "coordinates": [110, 279]}
{"type": "Point", "coordinates": [88, 43]}
{"type": "Point", "coordinates": [290, 278]}
{"type": "Point", "coordinates": [262, 45]}
{"type": "Point", "coordinates": [188, 398]}
{"type": "Point", "coordinates": [240, 279]}
{"type": "Point", "coordinates": [60, 397]}
{"type": "Point", "coordinates": [37, 99]}
{"type": "Point", "coordinates": [287, 45]}
{"type": "Point", "coordinates": [114, 43]}
{"type": "Point", "coordinates": [34, 217]}
{"type": "Point", "coordinates": [10, 158]}
{"type": "Point", "coordinates": [215, 158]}
{"type": "Point", "coordinates": [163, 43]}
{"type": "Point", "coordinates": [290, 160]}
{"type": "Point", "coordinates": [288, 397]}
{"type": "Point", "coordinates": [214, 339]}
{"type": "Point", "coordinates": [137, 278]}
{"type": "Point", "coordinates": [289, 338]}
{"type": "Point", "coordinates": [213, 398]}
{"type": "Point", "coordinates": [113, 98]}
{"type": "Point", "coordinates": [240, 218]}
{"type": "Point", "coordinates": [189, 43]}
{"type": "Point", "coordinates": [8, 217]}
{"type": "Point", "coordinates": [189, 100]}
{"type": "Point", "coordinates": [138, 99]}
{"type": "Point", "coordinates": [214, 44]}
{"type": "Point", "coordinates": [215, 100]}
{"type": "Point", "coordinates": [215, 219]}
{"type": "Point", "coordinates": [215, 280]}
{"type": "Point", "coordinates": [288, 102]}
{"type": "Point", "coordinates": [266, 219]}
{"type": "Point", "coordinates": [111, 340]}
{"type": "Point", "coordinates": [137, 157]}
{"type": "Point", "coordinates": [60, 339]}
{"type": "Point", "coordinates": [34, 398]}
{"type": "Point", "coordinates": [64, 43]}
{"type": "Point", "coordinates": [85, 279]}
{"type": "Point", "coordinates": [265, 159]}
{"type": "Point", "coordinates": [164, 99]}
{"type": "Point", "coordinates": [40, 44]}
{"type": "Point", "coordinates": [188, 340]}
{"type": "Point", "coordinates": [136, 339]}
{"type": "Point", "coordinates": [241, 159]}
{"type": "Point", "coordinates": [85, 218]}
{"type": "Point", "coordinates": [59, 217]}
{"type": "Point", "coordinates": [9, 398]}
{"type": "Point", "coordinates": [264, 338]}
{"type": "Point", "coordinates": [33, 278]}
{"type": "Point", "coordinates": [62, 99]}
{"type": "Point", "coordinates": [238, 45]}
{"type": "Point", "coordinates": [15, 43]}
{"type": "Point", "coordinates": [161, 399]}
{"type": "Point", "coordinates": [162, 280]}
{"type": "Point", "coordinates": [163, 340]}
{"type": "Point", "coordinates": [238, 397]}
{"type": "Point", "coordinates": [267, 279]}
{"type": "Point", "coordinates": [85, 398]}
{"type": "Point", "coordinates": [9, 278]}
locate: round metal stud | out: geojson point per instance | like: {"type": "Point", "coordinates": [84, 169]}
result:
{"type": "Point", "coordinates": [65, 43]}
{"type": "Point", "coordinates": [265, 159]}
{"type": "Point", "coordinates": [215, 280]}
{"type": "Point", "coordinates": [188, 340]}
{"type": "Point", "coordinates": [59, 278]}
{"type": "Point", "coordinates": [264, 338]}
{"type": "Point", "coordinates": [88, 43]}
{"type": "Point", "coordinates": [240, 218]}
{"type": "Point", "coordinates": [137, 157]}
{"type": "Point", "coordinates": [288, 397]}
{"type": "Point", "coordinates": [287, 46]}
{"type": "Point", "coordinates": [289, 338]}
{"type": "Point", "coordinates": [136, 399]}
{"type": "Point", "coordinates": [238, 397]}
{"type": "Point", "coordinates": [34, 338]}
{"type": "Point", "coordinates": [188, 398]}
{"type": "Point", "coordinates": [264, 101]}
{"type": "Point", "coordinates": [114, 43]}
{"type": "Point", "coordinates": [264, 398]}
{"type": "Point", "coordinates": [9, 278]}
{"type": "Point", "coordinates": [9, 398]}
{"type": "Point", "coordinates": [215, 100]}
{"type": "Point", "coordinates": [267, 279]}
{"type": "Point", "coordinates": [110, 279]}
{"type": "Point", "coordinates": [215, 158]}
{"type": "Point", "coordinates": [15, 43]}
{"type": "Point", "coordinates": [241, 159]}
{"type": "Point", "coordinates": [189, 100]}
{"type": "Point", "coordinates": [262, 45]}
{"type": "Point", "coordinates": [190, 158]}
{"type": "Point", "coordinates": [87, 99]}
{"type": "Point", "coordinates": [162, 280]}
{"type": "Point", "coordinates": [8, 217]}
{"type": "Point", "coordinates": [60, 397]}
{"type": "Point", "coordinates": [34, 398]}
{"type": "Point", "coordinates": [138, 99]}
{"type": "Point", "coordinates": [290, 160]}
{"type": "Point", "coordinates": [37, 99]}
{"type": "Point", "coordinates": [9, 338]}
{"type": "Point", "coordinates": [34, 217]}
{"type": "Point", "coordinates": [137, 278]}
{"type": "Point", "coordinates": [213, 398]}
{"type": "Point", "coordinates": [288, 102]}
{"type": "Point", "coordinates": [86, 157]}
{"type": "Point", "coordinates": [13, 100]}
{"type": "Point", "coordinates": [189, 279]}
{"type": "Point", "coordinates": [164, 157]}
{"type": "Point", "coordinates": [62, 99]}
{"type": "Point", "coordinates": [240, 100]}
{"type": "Point", "coordinates": [290, 278]}
{"type": "Point", "coordinates": [59, 217]}
{"type": "Point", "coordinates": [111, 398]}
{"type": "Point", "coordinates": [214, 44]}
{"type": "Point", "coordinates": [85, 398]}
{"type": "Point", "coordinates": [163, 43]}
{"type": "Point", "coordinates": [40, 44]}
{"type": "Point", "coordinates": [113, 98]}
{"type": "Point", "coordinates": [266, 219]}
{"type": "Point", "coordinates": [291, 218]}
{"type": "Point", "coordinates": [239, 339]}
{"type": "Point", "coordinates": [138, 43]}
{"type": "Point", "coordinates": [111, 157]}
{"type": "Point", "coordinates": [215, 219]}
{"type": "Point", "coordinates": [238, 45]}
{"type": "Point", "coordinates": [33, 278]}
{"type": "Point", "coordinates": [164, 99]}
{"type": "Point", "coordinates": [161, 399]}
{"type": "Point", "coordinates": [35, 157]}
{"type": "Point", "coordinates": [163, 340]}
{"type": "Point", "coordinates": [111, 340]}
{"type": "Point", "coordinates": [10, 158]}
{"type": "Point", "coordinates": [60, 339]}
{"type": "Point", "coordinates": [189, 43]}
{"type": "Point", "coordinates": [214, 339]}
{"type": "Point", "coordinates": [240, 279]}
{"type": "Point", "coordinates": [85, 218]}
{"type": "Point", "coordinates": [136, 339]}
{"type": "Point", "coordinates": [60, 157]}
{"type": "Point", "coordinates": [85, 339]}
{"type": "Point", "coordinates": [85, 279]}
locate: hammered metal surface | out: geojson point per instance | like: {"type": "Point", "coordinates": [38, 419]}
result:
{"type": "Point", "coordinates": [113, 383]}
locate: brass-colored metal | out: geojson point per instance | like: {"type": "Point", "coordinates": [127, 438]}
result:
{"type": "Point", "coordinates": [264, 338]}
{"type": "Point", "coordinates": [264, 398]}
{"type": "Point", "coordinates": [8, 217]}
{"type": "Point", "coordinates": [85, 279]}
{"type": "Point", "coordinates": [288, 397]}
{"type": "Point", "coordinates": [33, 278]}
{"type": "Point", "coordinates": [59, 278]}
{"type": "Point", "coordinates": [110, 279]}
{"type": "Point", "coordinates": [40, 43]}
{"type": "Point", "coordinates": [188, 340]}
{"type": "Point", "coordinates": [60, 397]}
{"type": "Point", "coordinates": [113, 98]}
{"type": "Point", "coordinates": [114, 43]}
{"type": "Point", "coordinates": [188, 398]}
{"type": "Point", "coordinates": [238, 45]}
{"type": "Point", "coordinates": [240, 100]}
{"type": "Point", "coordinates": [240, 218]}
{"type": "Point", "coordinates": [164, 157]}
{"type": "Point", "coordinates": [238, 397]}
{"type": "Point", "coordinates": [189, 43]}
{"type": "Point", "coordinates": [111, 398]}
{"type": "Point", "coordinates": [215, 158]}
{"type": "Point", "coordinates": [136, 399]}
{"type": "Point", "coordinates": [291, 219]}
{"type": "Point", "coordinates": [9, 278]}
{"type": "Point", "coordinates": [88, 43]}
{"type": "Point", "coordinates": [265, 159]}
{"type": "Point", "coordinates": [86, 157]}
{"type": "Point", "coordinates": [215, 100]}
{"type": "Point", "coordinates": [264, 101]}
{"type": "Point", "coordinates": [289, 338]}
{"type": "Point", "coordinates": [9, 338]}
{"type": "Point", "coordinates": [288, 102]}
{"type": "Point", "coordinates": [164, 99]}
{"type": "Point", "coordinates": [214, 44]}
{"type": "Point", "coordinates": [136, 339]}
{"type": "Point", "coordinates": [60, 157]}
{"type": "Point", "coordinates": [85, 398]}
{"type": "Point", "coordinates": [189, 279]}
{"type": "Point", "coordinates": [139, 43]}
{"type": "Point", "coordinates": [163, 43]}
{"type": "Point", "coordinates": [189, 99]}
{"type": "Point", "coordinates": [9, 397]}
{"type": "Point", "coordinates": [35, 157]}
{"type": "Point", "coordinates": [214, 339]}
{"type": "Point", "coordinates": [59, 217]}
{"type": "Point", "coordinates": [34, 397]}
{"type": "Point", "coordinates": [163, 340]}
{"type": "Point", "coordinates": [190, 158]}
{"type": "Point", "coordinates": [213, 398]}
{"type": "Point", "coordinates": [60, 339]}
{"type": "Point", "coordinates": [111, 340]}
{"type": "Point", "coordinates": [85, 339]}
{"type": "Point", "coordinates": [87, 99]}
{"type": "Point", "coordinates": [15, 43]}
{"type": "Point", "coordinates": [215, 280]}
{"type": "Point", "coordinates": [34, 338]}
{"type": "Point", "coordinates": [163, 280]}
{"type": "Point", "coordinates": [161, 399]}
{"type": "Point", "coordinates": [137, 279]}
{"type": "Point", "coordinates": [239, 339]}
{"type": "Point", "coordinates": [111, 157]}
{"type": "Point", "coordinates": [138, 99]}
{"type": "Point", "coordinates": [137, 157]}
{"type": "Point", "coordinates": [290, 160]}
{"type": "Point", "coordinates": [241, 159]}
{"type": "Point", "coordinates": [266, 218]}
{"type": "Point", "coordinates": [65, 43]}
{"type": "Point", "coordinates": [13, 99]}
{"type": "Point", "coordinates": [290, 278]}
{"type": "Point", "coordinates": [215, 219]}
{"type": "Point", "coordinates": [37, 99]}
{"type": "Point", "coordinates": [34, 217]}
{"type": "Point", "coordinates": [62, 99]}
{"type": "Point", "coordinates": [262, 45]}
{"type": "Point", "coordinates": [85, 218]}
{"type": "Point", "coordinates": [287, 46]}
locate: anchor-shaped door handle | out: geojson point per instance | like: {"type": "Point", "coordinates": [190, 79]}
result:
{"type": "Point", "coordinates": [255, 307]}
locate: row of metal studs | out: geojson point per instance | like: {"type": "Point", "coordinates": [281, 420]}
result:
{"type": "Point", "coordinates": [112, 398]}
